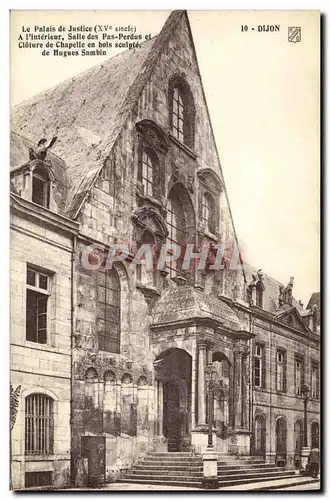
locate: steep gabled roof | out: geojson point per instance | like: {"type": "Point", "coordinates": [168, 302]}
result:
{"type": "Point", "coordinates": [88, 111]}
{"type": "Point", "coordinates": [315, 300]}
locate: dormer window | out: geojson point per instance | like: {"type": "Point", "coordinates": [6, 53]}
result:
{"type": "Point", "coordinates": [40, 187]}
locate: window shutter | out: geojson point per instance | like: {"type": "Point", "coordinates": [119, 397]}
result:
{"type": "Point", "coordinates": [284, 371]}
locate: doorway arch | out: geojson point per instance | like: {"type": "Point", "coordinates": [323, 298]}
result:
{"type": "Point", "coordinates": [173, 373]}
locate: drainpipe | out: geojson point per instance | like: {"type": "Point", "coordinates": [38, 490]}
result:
{"type": "Point", "coordinates": [73, 317]}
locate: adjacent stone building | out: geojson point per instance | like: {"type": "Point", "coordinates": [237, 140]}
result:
{"type": "Point", "coordinates": [136, 163]}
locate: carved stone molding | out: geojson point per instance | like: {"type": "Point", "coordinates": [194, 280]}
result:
{"type": "Point", "coordinates": [154, 135]}
{"type": "Point", "coordinates": [147, 216]}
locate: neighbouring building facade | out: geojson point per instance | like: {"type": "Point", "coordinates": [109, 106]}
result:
{"type": "Point", "coordinates": [111, 362]}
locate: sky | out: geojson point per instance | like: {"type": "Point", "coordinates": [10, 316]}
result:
{"type": "Point", "coordinates": [263, 97]}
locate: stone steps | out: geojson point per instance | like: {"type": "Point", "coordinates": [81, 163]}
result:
{"type": "Point", "coordinates": [186, 470]}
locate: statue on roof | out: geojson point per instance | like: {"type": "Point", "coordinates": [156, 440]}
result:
{"type": "Point", "coordinates": [285, 294]}
{"type": "Point", "coordinates": [42, 148]}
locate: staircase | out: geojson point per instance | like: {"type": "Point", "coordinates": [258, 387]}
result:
{"type": "Point", "coordinates": [186, 470]}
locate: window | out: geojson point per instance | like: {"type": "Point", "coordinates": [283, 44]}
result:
{"type": "Point", "coordinates": [109, 311]}
{"type": "Point", "coordinates": [176, 227]}
{"type": "Point", "coordinates": [298, 375]}
{"type": "Point", "coordinates": [40, 478]}
{"type": "Point", "coordinates": [315, 381]}
{"type": "Point", "coordinates": [144, 274]}
{"type": "Point", "coordinates": [39, 425]}
{"type": "Point", "coordinates": [40, 187]}
{"type": "Point", "coordinates": [280, 371]}
{"type": "Point", "coordinates": [208, 212]}
{"type": "Point", "coordinates": [37, 295]}
{"type": "Point", "coordinates": [259, 377]}
{"type": "Point", "coordinates": [182, 112]}
{"type": "Point", "coordinates": [148, 173]}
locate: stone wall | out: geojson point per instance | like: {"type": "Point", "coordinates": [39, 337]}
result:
{"type": "Point", "coordinates": [41, 368]}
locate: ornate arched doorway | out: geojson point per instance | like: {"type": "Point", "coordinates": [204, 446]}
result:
{"type": "Point", "coordinates": [173, 375]}
{"type": "Point", "coordinates": [281, 441]}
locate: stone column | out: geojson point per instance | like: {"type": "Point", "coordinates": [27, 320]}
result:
{"type": "Point", "coordinates": [244, 407]}
{"type": "Point", "coordinates": [238, 392]}
{"type": "Point", "coordinates": [160, 408]}
{"type": "Point", "coordinates": [201, 382]}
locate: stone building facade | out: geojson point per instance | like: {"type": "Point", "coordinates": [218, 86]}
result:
{"type": "Point", "coordinates": [135, 164]}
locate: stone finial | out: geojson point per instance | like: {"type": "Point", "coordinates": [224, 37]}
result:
{"type": "Point", "coordinates": [285, 293]}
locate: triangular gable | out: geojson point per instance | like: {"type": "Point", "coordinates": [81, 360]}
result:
{"type": "Point", "coordinates": [291, 317]}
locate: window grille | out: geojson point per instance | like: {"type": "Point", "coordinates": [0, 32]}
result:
{"type": "Point", "coordinates": [39, 425]}
{"type": "Point", "coordinates": [36, 479]}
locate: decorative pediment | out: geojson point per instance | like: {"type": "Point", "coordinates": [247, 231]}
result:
{"type": "Point", "coordinates": [210, 180]}
{"type": "Point", "coordinates": [148, 218]}
{"type": "Point", "coordinates": [292, 318]}
{"type": "Point", "coordinates": [153, 134]}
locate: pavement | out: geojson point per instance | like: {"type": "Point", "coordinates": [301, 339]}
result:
{"type": "Point", "coordinates": [292, 483]}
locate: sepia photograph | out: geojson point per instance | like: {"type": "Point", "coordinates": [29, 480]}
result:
{"type": "Point", "coordinates": [165, 250]}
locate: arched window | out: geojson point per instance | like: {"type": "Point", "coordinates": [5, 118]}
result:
{"type": "Point", "coordinates": [91, 389]}
{"type": "Point", "coordinates": [149, 165]}
{"type": "Point", "coordinates": [208, 212]}
{"type": "Point", "coordinates": [176, 224]}
{"type": "Point", "coordinates": [144, 274]}
{"type": "Point", "coordinates": [40, 187]}
{"type": "Point", "coordinates": [281, 438]}
{"type": "Point", "coordinates": [39, 425]}
{"type": "Point", "coordinates": [108, 318]}
{"type": "Point", "coordinates": [260, 435]}
{"type": "Point", "coordinates": [182, 112]}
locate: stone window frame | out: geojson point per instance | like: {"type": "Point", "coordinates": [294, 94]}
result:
{"type": "Point", "coordinates": [47, 292]}
{"type": "Point", "coordinates": [152, 139]}
{"type": "Point", "coordinates": [149, 166]}
{"type": "Point", "coordinates": [41, 170]}
{"type": "Point", "coordinates": [179, 90]}
{"type": "Point", "coordinates": [299, 358]}
{"type": "Point", "coordinates": [262, 358]}
{"type": "Point", "coordinates": [185, 205]}
{"type": "Point", "coordinates": [105, 333]}
{"type": "Point", "coordinates": [21, 420]}
{"type": "Point", "coordinates": [315, 364]}
{"type": "Point", "coordinates": [211, 186]}
{"type": "Point", "coordinates": [283, 363]}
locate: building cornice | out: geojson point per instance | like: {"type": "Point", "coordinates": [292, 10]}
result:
{"type": "Point", "coordinates": [42, 215]}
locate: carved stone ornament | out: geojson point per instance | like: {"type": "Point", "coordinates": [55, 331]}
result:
{"type": "Point", "coordinates": [143, 215]}
{"type": "Point", "coordinates": [153, 134]}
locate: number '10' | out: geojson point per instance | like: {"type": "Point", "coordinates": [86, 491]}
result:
{"type": "Point", "coordinates": [244, 27]}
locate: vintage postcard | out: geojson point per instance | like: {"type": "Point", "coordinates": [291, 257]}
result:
{"type": "Point", "coordinates": [164, 210]}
